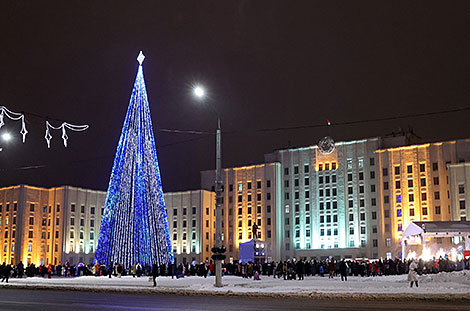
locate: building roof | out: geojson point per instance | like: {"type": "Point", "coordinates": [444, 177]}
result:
{"type": "Point", "coordinates": [450, 228]}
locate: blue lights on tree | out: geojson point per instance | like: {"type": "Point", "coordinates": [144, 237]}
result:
{"type": "Point", "coordinates": [134, 227]}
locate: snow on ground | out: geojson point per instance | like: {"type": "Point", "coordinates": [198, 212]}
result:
{"type": "Point", "coordinates": [443, 283]}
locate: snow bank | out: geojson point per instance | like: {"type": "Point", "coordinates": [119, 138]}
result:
{"type": "Point", "coordinates": [455, 285]}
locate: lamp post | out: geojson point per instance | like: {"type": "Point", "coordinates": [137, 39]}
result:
{"type": "Point", "coordinates": [200, 93]}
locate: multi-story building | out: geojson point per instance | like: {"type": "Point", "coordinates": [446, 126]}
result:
{"type": "Point", "coordinates": [459, 187]}
{"type": "Point", "coordinates": [329, 204]}
{"type": "Point", "coordinates": [191, 223]}
{"type": "Point", "coordinates": [414, 186]}
{"type": "Point", "coordinates": [37, 224]}
{"type": "Point", "coordinates": [251, 194]}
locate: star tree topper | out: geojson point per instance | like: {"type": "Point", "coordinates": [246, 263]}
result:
{"type": "Point", "coordinates": [141, 58]}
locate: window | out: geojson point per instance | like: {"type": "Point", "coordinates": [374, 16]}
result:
{"type": "Point", "coordinates": [400, 227]}
{"type": "Point", "coordinates": [322, 232]}
{"type": "Point", "coordinates": [322, 219]}
{"type": "Point", "coordinates": [399, 212]}
{"type": "Point", "coordinates": [335, 204]}
{"type": "Point", "coordinates": [411, 197]}
{"type": "Point", "coordinates": [374, 229]}
{"type": "Point", "coordinates": [31, 221]}
{"type": "Point", "coordinates": [268, 183]}
{"type": "Point", "coordinates": [351, 203]}
{"type": "Point", "coordinates": [286, 196]}
{"type": "Point", "coordinates": [307, 220]}
{"type": "Point", "coordinates": [409, 169]}
{"type": "Point", "coordinates": [412, 212]}
{"type": "Point", "coordinates": [327, 166]}
{"type": "Point", "coordinates": [436, 195]}
{"type": "Point", "coordinates": [424, 196]}
{"type": "Point", "coordinates": [350, 177]}
{"type": "Point", "coordinates": [249, 198]}
{"type": "Point", "coordinates": [372, 175]}
{"type": "Point", "coordinates": [361, 176]}
{"type": "Point", "coordinates": [240, 186]}
{"type": "Point", "coordinates": [425, 211]}
{"type": "Point", "coordinates": [437, 210]}
{"type": "Point", "coordinates": [374, 215]}
{"type": "Point", "coordinates": [258, 184]}
{"type": "Point", "coordinates": [385, 171]}
{"type": "Point", "coordinates": [386, 199]}
{"type": "Point", "coordinates": [335, 218]}
{"type": "Point", "coordinates": [372, 188]}
{"type": "Point", "coordinates": [423, 182]}
{"type": "Point", "coordinates": [248, 185]}
{"type": "Point", "coordinates": [58, 208]}
{"type": "Point", "coordinates": [387, 227]}
{"type": "Point", "coordinates": [286, 170]}
{"type": "Point", "coordinates": [306, 181]}
{"type": "Point", "coordinates": [373, 201]}
{"type": "Point", "coordinates": [361, 203]}
{"type": "Point", "coordinates": [435, 166]}
{"type": "Point", "coordinates": [333, 165]}
{"type": "Point", "coordinates": [372, 161]}
{"type": "Point", "coordinates": [333, 178]}
{"type": "Point", "coordinates": [72, 221]}
{"type": "Point", "coordinates": [461, 189]}
{"type": "Point", "coordinates": [462, 204]}
{"type": "Point", "coordinates": [422, 167]}
{"type": "Point", "coordinates": [397, 170]}
{"type": "Point", "coordinates": [397, 184]}
{"type": "Point", "coordinates": [175, 212]}
{"type": "Point", "coordinates": [307, 207]}
{"type": "Point", "coordinates": [328, 218]}
{"type": "Point", "coordinates": [363, 243]}
{"type": "Point", "coordinates": [351, 217]}
{"type": "Point", "coordinates": [436, 180]}
{"type": "Point", "coordinates": [410, 183]}
{"type": "Point", "coordinates": [361, 189]}
{"type": "Point", "coordinates": [350, 190]}
{"type": "Point", "coordinates": [385, 185]}
{"type": "Point", "coordinates": [398, 198]}
{"type": "Point", "coordinates": [375, 243]}
{"type": "Point", "coordinates": [363, 216]}
{"type": "Point", "coordinates": [387, 213]}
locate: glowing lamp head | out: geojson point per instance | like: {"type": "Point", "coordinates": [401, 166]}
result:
{"type": "Point", "coordinates": [6, 136]}
{"type": "Point", "coordinates": [199, 92]}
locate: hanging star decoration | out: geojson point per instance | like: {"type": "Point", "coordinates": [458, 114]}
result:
{"type": "Point", "coordinates": [15, 116]}
{"type": "Point", "coordinates": [64, 126]}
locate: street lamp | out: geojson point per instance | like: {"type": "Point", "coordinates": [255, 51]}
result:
{"type": "Point", "coordinates": [200, 93]}
{"type": "Point", "coordinates": [6, 136]}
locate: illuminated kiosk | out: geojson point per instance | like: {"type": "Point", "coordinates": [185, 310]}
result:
{"type": "Point", "coordinates": [134, 226]}
{"type": "Point", "coordinates": [418, 233]}
{"type": "Point", "coordinates": [252, 251]}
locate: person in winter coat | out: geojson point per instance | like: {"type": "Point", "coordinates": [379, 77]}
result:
{"type": "Point", "coordinates": [332, 268]}
{"type": "Point", "coordinates": [155, 272]}
{"type": "Point", "coordinates": [343, 270]}
{"type": "Point", "coordinates": [413, 273]}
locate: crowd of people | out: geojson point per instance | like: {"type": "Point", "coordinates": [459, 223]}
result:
{"type": "Point", "coordinates": [287, 270]}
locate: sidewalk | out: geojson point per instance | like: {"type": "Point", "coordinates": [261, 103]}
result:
{"type": "Point", "coordinates": [454, 285]}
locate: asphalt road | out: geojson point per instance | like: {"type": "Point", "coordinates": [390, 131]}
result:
{"type": "Point", "coordinates": [12, 299]}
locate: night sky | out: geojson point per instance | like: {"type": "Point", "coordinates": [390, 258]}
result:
{"type": "Point", "coordinates": [266, 64]}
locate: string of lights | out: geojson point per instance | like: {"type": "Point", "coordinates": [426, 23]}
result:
{"type": "Point", "coordinates": [134, 227]}
{"type": "Point", "coordinates": [63, 127]}
{"type": "Point", "coordinates": [15, 116]}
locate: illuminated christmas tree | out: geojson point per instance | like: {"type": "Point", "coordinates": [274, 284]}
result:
{"type": "Point", "coordinates": [134, 227]}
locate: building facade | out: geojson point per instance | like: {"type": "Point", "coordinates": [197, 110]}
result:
{"type": "Point", "coordinates": [42, 226]}
{"type": "Point", "coordinates": [191, 221]}
{"type": "Point", "coordinates": [251, 194]}
{"type": "Point", "coordinates": [329, 200]}
{"type": "Point", "coordinates": [414, 186]}
{"type": "Point", "coordinates": [459, 186]}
